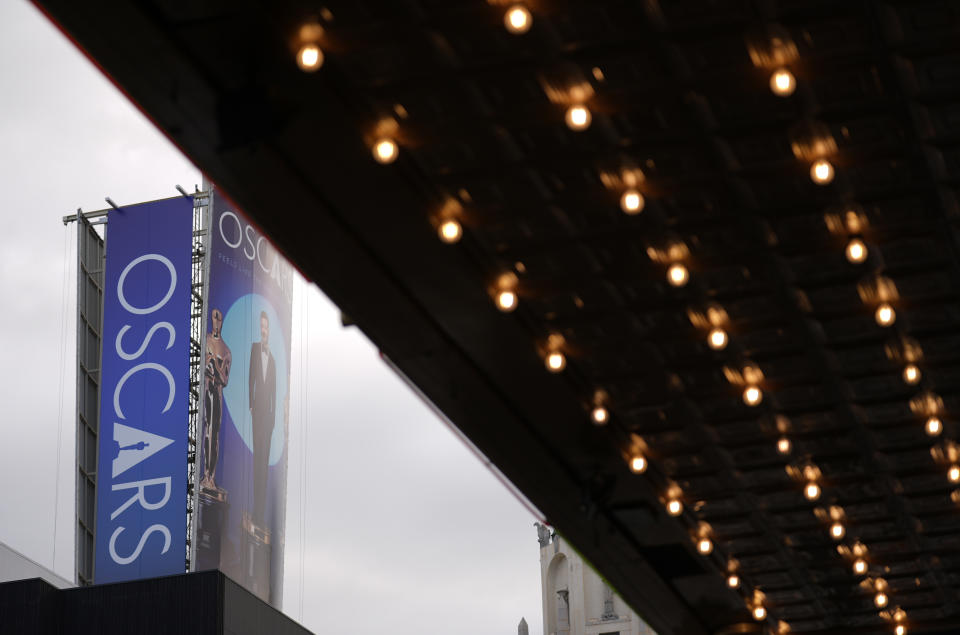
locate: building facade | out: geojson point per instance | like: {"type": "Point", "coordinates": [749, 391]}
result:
{"type": "Point", "coordinates": [576, 600]}
{"type": "Point", "coordinates": [16, 566]}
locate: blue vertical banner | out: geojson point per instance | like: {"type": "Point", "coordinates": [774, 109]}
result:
{"type": "Point", "coordinates": [142, 462]}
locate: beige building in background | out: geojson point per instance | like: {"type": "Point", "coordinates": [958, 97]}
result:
{"type": "Point", "coordinates": [576, 601]}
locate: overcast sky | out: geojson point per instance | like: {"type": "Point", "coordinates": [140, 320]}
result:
{"type": "Point", "coordinates": [406, 531]}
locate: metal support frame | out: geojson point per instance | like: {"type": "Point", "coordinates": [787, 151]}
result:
{"type": "Point", "coordinates": [199, 269]}
{"type": "Point", "coordinates": [90, 267]}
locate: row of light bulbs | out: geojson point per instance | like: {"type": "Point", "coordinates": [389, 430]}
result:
{"type": "Point", "coordinates": [822, 172]}
{"type": "Point", "coordinates": [837, 531]}
{"type": "Point", "coordinates": [885, 316]}
{"type": "Point", "coordinates": [783, 84]}
{"type": "Point", "coordinates": [518, 20]}
{"type": "Point", "coordinates": [856, 252]}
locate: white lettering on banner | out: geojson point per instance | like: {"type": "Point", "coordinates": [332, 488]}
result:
{"type": "Point", "coordinates": [129, 267]}
{"type": "Point", "coordinates": [239, 230]}
{"type": "Point", "coordinates": [146, 340]}
{"type": "Point", "coordinates": [260, 255]}
{"type": "Point", "coordinates": [134, 446]}
{"type": "Point", "coordinates": [258, 248]}
{"type": "Point", "coordinates": [140, 496]}
{"type": "Point", "coordinates": [143, 539]}
{"type": "Point", "coordinates": [133, 371]}
{"type": "Point", "coordinates": [248, 232]}
{"type": "Point", "coordinates": [128, 436]}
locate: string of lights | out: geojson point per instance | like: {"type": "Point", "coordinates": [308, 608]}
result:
{"type": "Point", "coordinates": [775, 53]}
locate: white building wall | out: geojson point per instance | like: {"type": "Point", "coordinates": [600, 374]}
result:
{"type": "Point", "coordinates": [16, 566]}
{"type": "Point", "coordinates": [562, 569]}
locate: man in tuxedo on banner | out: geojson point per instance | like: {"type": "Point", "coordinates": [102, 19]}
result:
{"type": "Point", "coordinates": [263, 408]}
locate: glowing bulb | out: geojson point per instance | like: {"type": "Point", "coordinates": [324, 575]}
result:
{"type": "Point", "coordinates": [859, 566]}
{"type": "Point", "coordinates": [934, 426]}
{"type": "Point", "coordinates": [880, 599]}
{"type": "Point", "coordinates": [517, 19]}
{"type": "Point", "coordinates": [821, 172]}
{"type": "Point", "coordinates": [783, 445]}
{"type": "Point", "coordinates": [600, 416]}
{"type": "Point", "coordinates": [885, 315]}
{"type": "Point", "coordinates": [385, 151]}
{"type": "Point", "coordinates": [556, 362]}
{"type": "Point", "coordinates": [578, 117]}
{"type": "Point", "coordinates": [309, 58]}
{"type": "Point", "coordinates": [782, 83]}
{"type": "Point", "coordinates": [911, 374]}
{"type": "Point", "coordinates": [506, 300]}
{"type": "Point", "coordinates": [953, 474]}
{"type": "Point", "coordinates": [704, 546]}
{"type": "Point", "coordinates": [837, 531]}
{"type": "Point", "coordinates": [856, 251]}
{"type": "Point", "coordinates": [674, 507]}
{"type": "Point", "coordinates": [450, 231]}
{"type": "Point", "coordinates": [752, 396]}
{"type": "Point", "coordinates": [812, 491]}
{"type": "Point", "coordinates": [900, 630]}
{"type": "Point", "coordinates": [677, 275]}
{"type": "Point", "coordinates": [733, 580]}
{"type": "Point", "coordinates": [717, 339]}
{"type": "Point", "coordinates": [638, 464]}
{"type": "Point", "coordinates": [759, 613]}
{"type": "Point", "coordinates": [631, 202]}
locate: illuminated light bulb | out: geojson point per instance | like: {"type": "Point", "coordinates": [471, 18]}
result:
{"type": "Point", "coordinates": [856, 251]}
{"type": "Point", "coordinates": [450, 231]}
{"type": "Point", "coordinates": [752, 396]}
{"type": "Point", "coordinates": [631, 202]}
{"type": "Point", "coordinates": [309, 58]}
{"type": "Point", "coordinates": [578, 117]}
{"type": "Point", "coordinates": [783, 445]}
{"type": "Point", "coordinates": [600, 416]}
{"type": "Point", "coordinates": [717, 339]}
{"type": "Point", "coordinates": [638, 464]}
{"type": "Point", "coordinates": [517, 19]}
{"type": "Point", "coordinates": [880, 599]}
{"type": "Point", "coordinates": [900, 630]}
{"type": "Point", "coordinates": [782, 82]}
{"type": "Point", "coordinates": [934, 426]}
{"type": "Point", "coordinates": [759, 613]}
{"type": "Point", "coordinates": [677, 275]}
{"type": "Point", "coordinates": [812, 491]}
{"type": "Point", "coordinates": [911, 374]}
{"type": "Point", "coordinates": [885, 315]}
{"type": "Point", "coordinates": [674, 507]}
{"type": "Point", "coordinates": [385, 151]}
{"type": "Point", "coordinates": [953, 474]}
{"type": "Point", "coordinates": [506, 300]}
{"type": "Point", "coordinates": [733, 580]}
{"type": "Point", "coordinates": [837, 531]}
{"type": "Point", "coordinates": [556, 362]}
{"type": "Point", "coordinates": [704, 546]}
{"type": "Point", "coordinates": [859, 566]}
{"type": "Point", "coordinates": [821, 172]}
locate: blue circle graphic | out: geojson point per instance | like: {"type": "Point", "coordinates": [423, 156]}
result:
{"type": "Point", "coordinates": [241, 328]}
